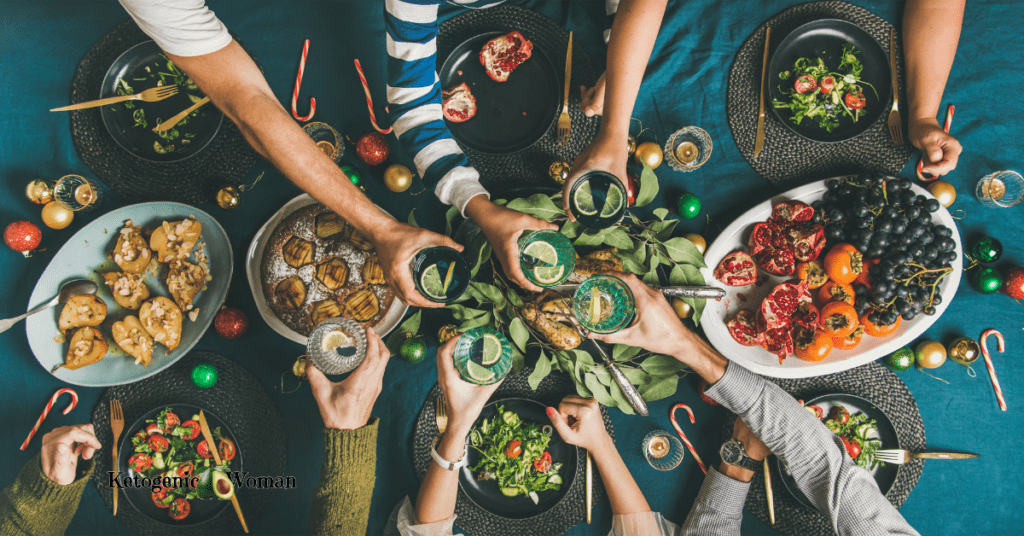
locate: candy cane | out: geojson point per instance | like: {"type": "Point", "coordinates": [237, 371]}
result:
{"type": "Point", "coordinates": [369, 100]}
{"type": "Point", "coordinates": [298, 84]}
{"type": "Point", "coordinates": [46, 411]}
{"type": "Point", "coordinates": [928, 177]}
{"type": "Point", "coordinates": [991, 368]}
{"type": "Point", "coordinates": [689, 445]}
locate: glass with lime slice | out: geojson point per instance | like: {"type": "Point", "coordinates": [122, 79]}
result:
{"type": "Point", "coordinates": [598, 200]}
{"type": "Point", "coordinates": [603, 304]}
{"type": "Point", "coordinates": [337, 345]}
{"type": "Point", "coordinates": [556, 256]}
{"type": "Point", "coordinates": [440, 273]}
{"type": "Point", "coordinates": [483, 356]}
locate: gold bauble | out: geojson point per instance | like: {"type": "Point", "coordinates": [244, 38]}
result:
{"type": "Point", "coordinates": [446, 333]}
{"type": "Point", "coordinates": [559, 171]}
{"type": "Point", "coordinates": [649, 153]}
{"type": "Point", "coordinates": [39, 191]}
{"type": "Point", "coordinates": [229, 198]}
{"type": "Point", "coordinates": [397, 178]}
{"type": "Point", "coordinates": [56, 216]}
{"type": "Point", "coordinates": [682, 309]}
{"type": "Point", "coordinates": [631, 145]}
{"type": "Point", "coordinates": [964, 351]}
{"type": "Point", "coordinates": [698, 241]}
{"type": "Point", "coordinates": [299, 368]}
{"type": "Point", "coordinates": [930, 354]}
{"type": "Point", "coordinates": [943, 191]}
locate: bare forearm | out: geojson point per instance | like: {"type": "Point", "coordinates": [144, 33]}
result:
{"type": "Point", "coordinates": [632, 39]}
{"type": "Point", "coordinates": [699, 355]}
{"type": "Point", "coordinates": [436, 499]}
{"type": "Point", "coordinates": [931, 31]}
{"type": "Point", "coordinates": [623, 493]}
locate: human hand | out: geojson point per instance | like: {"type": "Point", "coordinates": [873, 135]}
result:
{"type": "Point", "coordinates": [61, 449]}
{"type": "Point", "coordinates": [941, 151]}
{"type": "Point", "coordinates": [396, 244]}
{"type": "Point", "coordinates": [503, 227]}
{"type": "Point", "coordinates": [346, 405]}
{"type": "Point", "coordinates": [756, 449]}
{"type": "Point", "coordinates": [606, 153]}
{"type": "Point", "coordinates": [587, 429]}
{"type": "Point", "coordinates": [463, 400]}
{"type": "Point", "coordinates": [593, 98]}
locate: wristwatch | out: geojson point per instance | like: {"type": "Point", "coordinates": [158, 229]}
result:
{"type": "Point", "coordinates": [732, 453]}
{"type": "Point", "coordinates": [445, 464]}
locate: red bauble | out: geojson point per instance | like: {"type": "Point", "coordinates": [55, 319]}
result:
{"type": "Point", "coordinates": [703, 387]}
{"type": "Point", "coordinates": [23, 236]}
{"type": "Point", "coordinates": [1013, 283]}
{"type": "Point", "coordinates": [230, 323]}
{"type": "Point", "coordinates": [372, 148]}
{"type": "Point", "coordinates": [632, 187]}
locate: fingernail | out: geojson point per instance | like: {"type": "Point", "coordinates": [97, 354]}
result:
{"type": "Point", "coordinates": [551, 412]}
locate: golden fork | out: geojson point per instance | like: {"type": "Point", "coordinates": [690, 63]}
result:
{"type": "Point", "coordinates": [116, 426]}
{"type": "Point", "coordinates": [208, 436]}
{"type": "Point", "coordinates": [441, 414]}
{"type": "Point", "coordinates": [564, 122]}
{"type": "Point", "coordinates": [895, 121]}
{"type": "Point", "coordinates": [167, 125]}
{"type": "Point", "coordinates": [150, 95]}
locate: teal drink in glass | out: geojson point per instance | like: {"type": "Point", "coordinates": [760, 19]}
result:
{"type": "Point", "coordinates": [483, 356]}
{"type": "Point", "coordinates": [554, 251]}
{"type": "Point", "coordinates": [603, 304]}
{"type": "Point", "coordinates": [598, 200]}
{"type": "Point", "coordinates": [441, 274]}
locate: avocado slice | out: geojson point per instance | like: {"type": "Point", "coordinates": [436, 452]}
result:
{"type": "Point", "coordinates": [222, 486]}
{"type": "Point", "coordinates": [204, 487]}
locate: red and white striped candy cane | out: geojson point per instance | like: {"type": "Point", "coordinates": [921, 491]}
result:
{"type": "Point", "coordinates": [686, 441]}
{"type": "Point", "coordinates": [46, 411]}
{"type": "Point", "coordinates": [369, 100]}
{"type": "Point", "coordinates": [928, 177]}
{"type": "Point", "coordinates": [991, 368]}
{"type": "Point", "coordinates": [298, 84]}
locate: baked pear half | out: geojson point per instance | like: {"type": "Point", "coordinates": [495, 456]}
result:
{"type": "Point", "coordinates": [161, 318]}
{"type": "Point", "coordinates": [129, 290]}
{"type": "Point", "coordinates": [87, 347]}
{"type": "Point", "coordinates": [184, 281]}
{"type": "Point", "coordinates": [81, 311]}
{"type": "Point", "coordinates": [362, 305]}
{"type": "Point", "coordinates": [131, 252]}
{"type": "Point", "coordinates": [130, 335]}
{"type": "Point", "coordinates": [173, 241]}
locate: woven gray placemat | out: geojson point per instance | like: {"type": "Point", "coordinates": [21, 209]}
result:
{"type": "Point", "coordinates": [872, 382]}
{"type": "Point", "coordinates": [528, 167]}
{"type": "Point", "coordinates": [788, 160]}
{"type": "Point", "coordinates": [477, 521]}
{"type": "Point", "coordinates": [237, 399]}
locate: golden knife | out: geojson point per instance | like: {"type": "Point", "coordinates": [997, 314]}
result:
{"type": "Point", "coordinates": [590, 487]}
{"type": "Point", "coordinates": [944, 455]}
{"type": "Point", "coordinates": [768, 491]}
{"type": "Point", "coordinates": [759, 138]}
{"type": "Point", "coordinates": [167, 125]}
{"type": "Point", "coordinates": [208, 436]}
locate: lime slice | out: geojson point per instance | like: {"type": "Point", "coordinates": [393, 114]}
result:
{"type": "Point", "coordinates": [510, 491]}
{"type": "Point", "coordinates": [595, 304]}
{"type": "Point", "coordinates": [613, 202]}
{"type": "Point", "coordinates": [478, 373]}
{"type": "Point", "coordinates": [584, 200]}
{"type": "Point", "coordinates": [548, 275]}
{"type": "Point", "coordinates": [431, 283]}
{"type": "Point", "coordinates": [492, 350]}
{"type": "Point", "coordinates": [448, 279]}
{"type": "Point", "coordinates": [334, 339]}
{"type": "Point", "coordinates": [543, 251]}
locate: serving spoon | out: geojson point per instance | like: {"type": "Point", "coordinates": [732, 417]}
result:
{"type": "Point", "coordinates": [75, 287]}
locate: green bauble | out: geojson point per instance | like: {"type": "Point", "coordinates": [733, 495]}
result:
{"type": "Point", "coordinates": [413, 350]}
{"type": "Point", "coordinates": [353, 175]}
{"type": "Point", "coordinates": [987, 249]}
{"type": "Point", "coordinates": [988, 280]}
{"type": "Point", "coordinates": [900, 360]}
{"type": "Point", "coordinates": [204, 375]}
{"type": "Point", "coordinates": [688, 206]}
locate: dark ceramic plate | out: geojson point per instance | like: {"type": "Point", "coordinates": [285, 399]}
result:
{"type": "Point", "coordinates": [510, 115]}
{"type": "Point", "coordinates": [488, 496]}
{"type": "Point", "coordinates": [884, 476]}
{"type": "Point", "coordinates": [142, 498]}
{"type": "Point", "coordinates": [825, 39]}
{"type": "Point", "coordinates": [131, 123]}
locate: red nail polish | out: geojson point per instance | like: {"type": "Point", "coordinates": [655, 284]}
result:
{"type": "Point", "coordinates": [551, 412]}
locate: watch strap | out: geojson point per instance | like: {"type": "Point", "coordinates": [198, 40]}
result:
{"type": "Point", "coordinates": [445, 464]}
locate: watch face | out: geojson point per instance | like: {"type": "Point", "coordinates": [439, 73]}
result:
{"type": "Point", "coordinates": [731, 452]}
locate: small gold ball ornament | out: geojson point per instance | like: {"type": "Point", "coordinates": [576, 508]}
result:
{"type": "Point", "coordinates": [299, 368]}
{"type": "Point", "coordinates": [631, 145]}
{"type": "Point", "coordinates": [447, 333]}
{"type": "Point", "coordinates": [229, 197]}
{"type": "Point", "coordinates": [559, 171]}
{"type": "Point", "coordinates": [682, 309]}
{"type": "Point", "coordinates": [698, 241]}
{"type": "Point", "coordinates": [56, 216]}
{"type": "Point", "coordinates": [397, 178]}
{"type": "Point", "coordinates": [930, 354]}
{"type": "Point", "coordinates": [649, 153]}
{"type": "Point", "coordinates": [964, 351]}
{"type": "Point", "coordinates": [943, 191]}
{"type": "Point", "coordinates": [39, 191]}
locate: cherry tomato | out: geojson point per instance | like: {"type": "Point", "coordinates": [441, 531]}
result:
{"type": "Point", "coordinates": [227, 449]}
{"type": "Point", "coordinates": [878, 331]}
{"type": "Point", "coordinates": [513, 449]}
{"type": "Point", "coordinates": [180, 509]}
{"type": "Point", "coordinates": [171, 421]}
{"type": "Point", "coordinates": [812, 345]}
{"type": "Point", "coordinates": [140, 462]}
{"type": "Point", "coordinates": [154, 428]}
{"type": "Point", "coordinates": [863, 277]}
{"type": "Point", "coordinates": [142, 435]}
{"type": "Point", "coordinates": [839, 414]}
{"type": "Point", "coordinates": [185, 470]}
{"type": "Point", "coordinates": [838, 319]}
{"type": "Point", "coordinates": [852, 447]}
{"type": "Point", "coordinates": [543, 463]}
{"type": "Point", "coordinates": [816, 410]}
{"type": "Point", "coordinates": [805, 84]}
{"type": "Point", "coordinates": [159, 499]}
{"type": "Point", "coordinates": [204, 449]}
{"type": "Point", "coordinates": [812, 272]}
{"type": "Point", "coordinates": [158, 443]}
{"type": "Point", "coordinates": [832, 291]}
{"type": "Point", "coordinates": [843, 263]}
{"type": "Point", "coordinates": [850, 341]}
{"type": "Point", "coordinates": [827, 83]}
{"type": "Point", "coordinates": [192, 429]}
{"type": "Point", "coordinates": [854, 101]}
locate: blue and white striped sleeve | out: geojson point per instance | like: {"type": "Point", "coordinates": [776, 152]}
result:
{"type": "Point", "coordinates": [414, 99]}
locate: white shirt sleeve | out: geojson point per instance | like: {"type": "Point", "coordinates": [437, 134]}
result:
{"type": "Point", "coordinates": [180, 27]}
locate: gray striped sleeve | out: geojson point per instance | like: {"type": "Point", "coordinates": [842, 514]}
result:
{"type": "Point", "coordinates": [719, 506]}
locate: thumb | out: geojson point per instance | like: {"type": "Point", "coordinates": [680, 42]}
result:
{"type": "Point", "coordinates": [443, 240]}
{"type": "Point", "coordinates": [318, 382]}
{"type": "Point", "coordinates": [934, 151]}
{"type": "Point", "coordinates": [559, 423]}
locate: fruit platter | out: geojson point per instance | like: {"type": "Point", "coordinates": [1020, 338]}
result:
{"type": "Point", "coordinates": [831, 275]}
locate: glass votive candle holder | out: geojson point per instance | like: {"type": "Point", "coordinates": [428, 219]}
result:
{"type": "Point", "coordinates": [663, 450]}
{"type": "Point", "coordinates": [1000, 189]}
{"type": "Point", "coordinates": [77, 193]}
{"type": "Point", "coordinates": [327, 139]}
{"type": "Point", "coordinates": [688, 149]}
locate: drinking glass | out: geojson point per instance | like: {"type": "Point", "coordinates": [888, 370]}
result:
{"type": "Point", "coordinates": [483, 356]}
{"type": "Point", "coordinates": [327, 139]}
{"type": "Point", "coordinates": [603, 304]}
{"type": "Point", "coordinates": [598, 200]}
{"type": "Point", "coordinates": [77, 193]}
{"type": "Point", "coordinates": [1000, 189]}
{"type": "Point", "coordinates": [440, 273]}
{"type": "Point", "coordinates": [337, 345]}
{"type": "Point", "coordinates": [663, 450]}
{"type": "Point", "coordinates": [551, 247]}
{"type": "Point", "coordinates": [688, 149]}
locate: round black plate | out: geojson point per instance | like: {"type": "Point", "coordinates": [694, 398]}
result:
{"type": "Point", "coordinates": [488, 496]}
{"type": "Point", "coordinates": [141, 498]}
{"type": "Point", "coordinates": [200, 128]}
{"type": "Point", "coordinates": [510, 115]}
{"type": "Point", "coordinates": [825, 39]}
{"type": "Point", "coordinates": [884, 476]}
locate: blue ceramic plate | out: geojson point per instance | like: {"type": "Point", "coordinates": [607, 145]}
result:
{"type": "Point", "coordinates": [85, 256]}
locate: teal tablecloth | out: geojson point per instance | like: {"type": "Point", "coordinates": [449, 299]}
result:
{"type": "Point", "coordinates": [42, 41]}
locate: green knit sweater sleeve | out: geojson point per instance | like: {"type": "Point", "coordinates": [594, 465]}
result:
{"type": "Point", "coordinates": [35, 505]}
{"type": "Point", "coordinates": [341, 500]}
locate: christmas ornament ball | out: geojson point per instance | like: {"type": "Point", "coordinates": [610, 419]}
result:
{"type": "Point", "coordinates": [397, 178]}
{"type": "Point", "coordinates": [943, 191]}
{"type": "Point", "coordinates": [299, 367]}
{"type": "Point", "coordinates": [698, 241]}
{"type": "Point", "coordinates": [1014, 283]}
{"type": "Point", "coordinates": [447, 333]}
{"type": "Point", "coordinates": [682, 309]}
{"type": "Point", "coordinates": [900, 360]}
{"type": "Point", "coordinates": [57, 216]}
{"type": "Point", "coordinates": [964, 351]}
{"type": "Point", "coordinates": [229, 197]}
{"type": "Point", "coordinates": [930, 354]}
{"type": "Point", "coordinates": [352, 175]}
{"type": "Point", "coordinates": [632, 187]}
{"type": "Point", "coordinates": [987, 280]}
{"type": "Point", "coordinates": [559, 170]}
{"type": "Point", "coordinates": [413, 350]}
{"type": "Point", "coordinates": [22, 236]}
{"type": "Point", "coordinates": [648, 153]}
{"type": "Point", "coordinates": [688, 206]}
{"type": "Point", "coordinates": [39, 191]}
{"type": "Point", "coordinates": [631, 145]}
{"type": "Point", "coordinates": [987, 249]}
{"type": "Point", "coordinates": [372, 148]}
{"type": "Point", "coordinates": [230, 323]}
{"type": "Point", "coordinates": [204, 375]}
